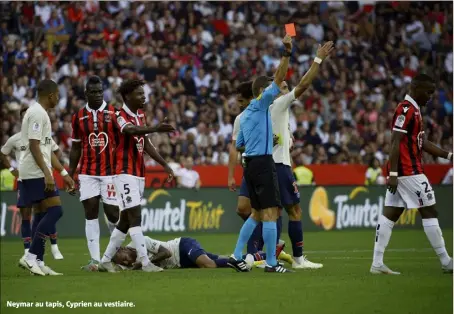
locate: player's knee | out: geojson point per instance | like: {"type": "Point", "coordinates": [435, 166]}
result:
{"type": "Point", "coordinates": [112, 212]}
{"type": "Point", "coordinates": [428, 212]}
{"type": "Point", "coordinates": [91, 207]}
{"type": "Point", "coordinates": [134, 216]}
{"type": "Point", "coordinates": [393, 213]}
{"type": "Point", "coordinates": [294, 212]}
{"type": "Point", "coordinates": [244, 207]}
{"type": "Point", "coordinates": [203, 261]}
{"type": "Point", "coordinates": [26, 213]}
{"type": "Point", "coordinates": [269, 214]}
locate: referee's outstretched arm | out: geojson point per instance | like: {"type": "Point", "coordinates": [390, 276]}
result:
{"type": "Point", "coordinates": [281, 71]}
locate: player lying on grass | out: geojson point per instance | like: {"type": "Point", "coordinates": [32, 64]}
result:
{"type": "Point", "coordinates": [177, 253]}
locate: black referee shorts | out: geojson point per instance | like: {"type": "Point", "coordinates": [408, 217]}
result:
{"type": "Point", "coordinates": [261, 179]}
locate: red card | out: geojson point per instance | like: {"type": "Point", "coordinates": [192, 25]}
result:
{"type": "Point", "coordinates": [290, 29]}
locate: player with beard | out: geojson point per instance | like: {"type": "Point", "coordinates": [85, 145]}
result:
{"type": "Point", "coordinates": [93, 150]}
{"type": "Point", "coordinates": [130, 172]}
{"type": "Point", "coordinates": [408, 186]}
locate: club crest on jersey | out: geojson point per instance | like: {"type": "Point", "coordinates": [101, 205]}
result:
{"type": "Point", "coordinates": [139, 144]}
{"type": "Point", "coordinates": [107, 117]}
{"type": "Point", "coordinates": [98, 140]}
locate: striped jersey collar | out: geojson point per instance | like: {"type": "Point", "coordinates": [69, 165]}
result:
{"type": "Point", "coordinates": [128, 111]}
{"type": "Point", "coordinates": [412, 101]}
{"type": "Point", "coordinates": [104, 104]}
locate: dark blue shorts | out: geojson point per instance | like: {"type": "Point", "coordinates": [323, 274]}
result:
{"type": "Point", "coordinates": [190, 250]}
{"type": "Point", "coordinates": [290, 194]}
{"type": "Point", "coordinates": [243, 189]}
{"type": "Point", "coordinates": [31, 191]}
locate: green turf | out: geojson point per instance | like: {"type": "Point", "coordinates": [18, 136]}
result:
{"type": "Point", "coordinates": [342, 286]}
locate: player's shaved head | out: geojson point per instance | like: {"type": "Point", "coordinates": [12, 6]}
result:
{"type": "Point", "coordinates": [260, 83]}
{"type": "Point", "coordinates": [93, 80]}
{"type": "Point", "coordinates": [422, 88]}
{"type": "Point", "coordinates": [47, 87]}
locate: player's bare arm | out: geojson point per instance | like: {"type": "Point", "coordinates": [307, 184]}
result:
{"type": "Point", "coordinates": [5, 162]}
{"type": "Point", "coordinates": [150, 149]}
{"type": "Point", "coordinates": [69, 183]}
{"type": "Point", "coordinates": [281, 71]}
{"type": "Point", "coordinates": [74, 157]}
{"type": "Point", "coordinates": [396, 137]}
{"type": "Point", "coordinates": [233, 157]}
{"type": "Point", "coordinates": [39, 159]}
{"type": "Point", "coordinates": [162, 127]}
{"type": "Point", "coordinates": [436, 151]}
{"type": "Point", "coordinates": [322, 53]}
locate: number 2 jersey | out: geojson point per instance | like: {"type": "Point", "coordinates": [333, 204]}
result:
{"type": "Point", "coordinates": [130, 148]}
{"type": "Point", "coordinates": [408, 120]}
{"type": "Point", "coordinates": [95, 130]}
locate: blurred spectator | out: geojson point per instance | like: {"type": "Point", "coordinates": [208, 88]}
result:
{"type": "Point", "coordinates": [374, 173]}
{"type": "Point", "coordinates": [187, 177]}
{"type": "Point", "coordinates": [194, 54]}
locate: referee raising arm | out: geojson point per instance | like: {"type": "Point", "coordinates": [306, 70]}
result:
{"type": "Point", "coordinates": [256, 135]}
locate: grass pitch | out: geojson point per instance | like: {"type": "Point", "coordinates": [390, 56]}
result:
{"type": "Point", "coordinates": [344, 285]}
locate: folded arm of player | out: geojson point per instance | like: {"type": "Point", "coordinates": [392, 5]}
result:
{"type": "Point", "coordinates": [322, 52]}
{"type": "Point", "coordinates": [150, 149]}
{"type": "Point", "coordinates": [162, 254]}
{"type": "Point", "coordinates": [5, 151]}
{"type": "Point", "coordinates": [436, 151]}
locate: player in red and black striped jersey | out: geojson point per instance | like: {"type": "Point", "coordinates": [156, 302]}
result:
{"type": "Point", "coordinates": [93, 149]}
{"type": "Point", "coordinates": [408, 186]}
{"type": "Point", "coordinates": [130, 173]}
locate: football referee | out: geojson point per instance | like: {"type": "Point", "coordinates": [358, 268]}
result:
{"type": "Point", "coordinates": [256, 136]}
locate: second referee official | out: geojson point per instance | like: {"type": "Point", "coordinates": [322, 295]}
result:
{"type": "Point", "coordinates": [256, 135]}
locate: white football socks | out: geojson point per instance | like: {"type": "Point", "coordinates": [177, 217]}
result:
{"type": "Point", "coordinates": [116, 239]}
{"type": "Point", "coordinates": [138, 239]}
{"type": "Point", "coordinates": [382, 236]}
{"type": "Point", "coordinates": [92, 233]}
{"type": "Point", "coordinates": [435, 236]}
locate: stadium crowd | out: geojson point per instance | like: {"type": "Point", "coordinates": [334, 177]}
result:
{"type": "Point", "coordinates": [193, 55]}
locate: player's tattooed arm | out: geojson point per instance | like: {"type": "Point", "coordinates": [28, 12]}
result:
{"type": "Point", "coordinates": [151, 150]}
{"type": "Point", "coordinates": [74, 157]}
{"type": "Point", "coordinates": [436, 151]}
{"type": "Point", "coordinates": [394, 159]}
